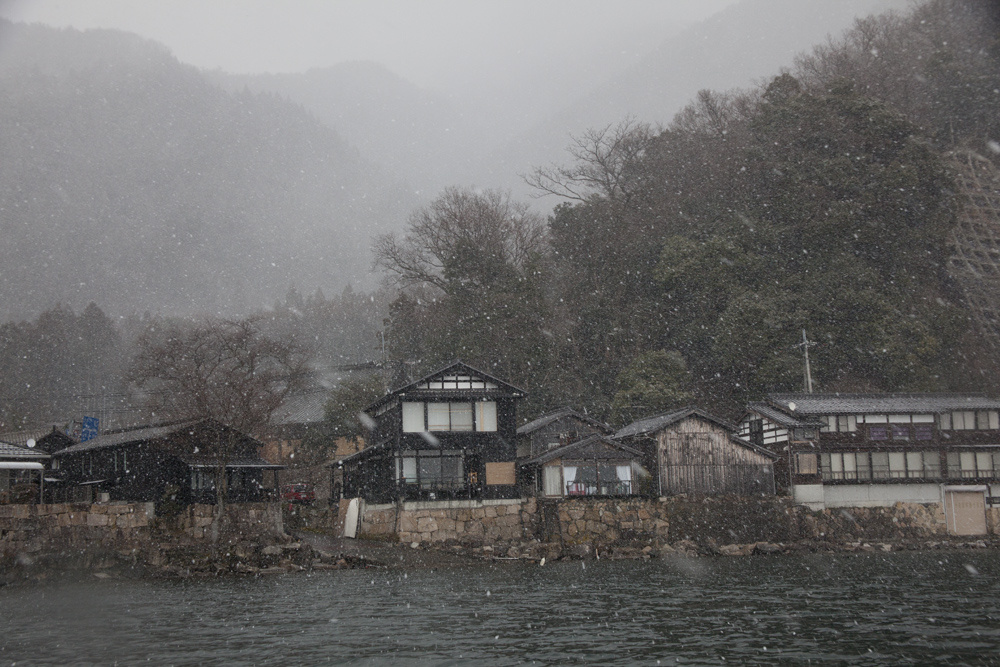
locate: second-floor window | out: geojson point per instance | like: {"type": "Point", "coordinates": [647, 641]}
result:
{"type": "Point", "coordinates": [451, 416]}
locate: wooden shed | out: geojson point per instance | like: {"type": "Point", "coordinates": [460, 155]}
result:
{"type": "Point", "coordinates": [694, 452]}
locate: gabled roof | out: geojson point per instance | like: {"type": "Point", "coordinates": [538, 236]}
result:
{"type": "Point", "coordinates": [305, 408]}
{"type": "Point", "coordinates": [783, 418]}
{"type": "Point", "coordinates": [145, 434]}
{"type": "Point", "coordinates": [749, 445]}
{"type": "Point", "coordinates": [595, 447]}
{"type": "Point", "coordinates": [453, 370]}
{"type": "Point", "coordinates": [9, 451]}
{"type": "Point", "coordinates": [660, 422]}
{"type": "Point", "coordinates": [846, 404]}
{"type": "Point", "coordinates": [555, 416]}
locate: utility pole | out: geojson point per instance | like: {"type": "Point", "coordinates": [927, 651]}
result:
{"type": "Point", "coordinates": [805, 345]}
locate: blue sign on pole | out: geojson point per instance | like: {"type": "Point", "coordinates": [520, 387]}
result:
{"type": "Point", "coordinates": [90, 428]}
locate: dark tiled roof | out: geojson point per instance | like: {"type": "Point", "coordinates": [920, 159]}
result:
{"type": "Point", "coordinates": [845, 404]}
{"type": "Point", "coordinates": [659, 422]}
{"type": "Point", "coordinates": [556, 415]}
{"type": "Point", "coordinates": [307, 408]}
{"type": "Point", "coordinates": [782, 418]}
{"type": "Point", "coordinates": [746, 443]}
{"type": "Point", "coordinates": [595, 447]}
{"type": "Point", "coordinates": [10, 451]}
{"type": "Point", "coordinates": [140, 434]}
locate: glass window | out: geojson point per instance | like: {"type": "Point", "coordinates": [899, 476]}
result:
{"type": "Point", "coordinates": [982, 420]}
{"type": "Point", "coordinates": [438, 417]}
{"type": "Point", "coordinates": [880, 465]}
{"type": "Point", "coordinates": [899, 419]}
{"type": "Point", "coordinates": [864, 467]}
{"type": "Point", "coordinates": [877, 433]}
{"type": "Point", "coordinates": [850, 466]}
{"type": "Point", "coordinates": [486, 416]}
{"type": "Point", "coordinates": [413, 417]}
{"type": "Point", "coordinates": [945, 420]}
{"type": "Point", "coordinates": [900, 432]}
{"type": "Point", "coordinates": [897, 464]}
{"type": "Point", "coordinates": [954, 465]}
{"type": "Point", "coordinates": [994, 420]}
{"type": "Point", "coordinates": [963, 420]}
{"type": "Point", "coordinates": [968, 463]}
{"type": "Point", "coordinates": [923, 431]}
{"type": "Point", "coordinates": [914, 464]}
{"type": "Point", "coordinates": [461, 416]}
{"type": "Point", "coordinates": [932, 465]}
{"type": "Point", "coordinates": [984, 464]}
{"type": "Point", "coordinates": [847, 423]}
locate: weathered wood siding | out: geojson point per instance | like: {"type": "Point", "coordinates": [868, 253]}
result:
{"type": "Point", "coordinates": [698, 456]}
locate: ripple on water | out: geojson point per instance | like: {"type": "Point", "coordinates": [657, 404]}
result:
{"type": "Point", "coordinates": [871, 609]}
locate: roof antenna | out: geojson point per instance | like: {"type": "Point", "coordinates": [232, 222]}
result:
{"type": "Point", "coordinates": [805, 345]}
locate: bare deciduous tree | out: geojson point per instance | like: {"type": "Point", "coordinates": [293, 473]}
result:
{"type": "Point", "coordinates": [604, 162]}
{"type": "Point", "coordinates": [455, 240]}
{"type": "Point", "coordinates": [228, 370]}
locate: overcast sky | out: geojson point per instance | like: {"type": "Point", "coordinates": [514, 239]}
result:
{"type": "Point", "coordinates": [434, 43]}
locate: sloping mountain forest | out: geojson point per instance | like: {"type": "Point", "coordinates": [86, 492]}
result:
{"type": "Point", "coordinates": [127, 178]}
{"type": "Point", "coordinates": [680, 265]}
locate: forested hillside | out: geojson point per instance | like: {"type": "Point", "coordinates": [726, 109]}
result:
{"type": "Point", "coordinates": [687, 263]}
{"type": "Point", "coordinates": [131, 181]}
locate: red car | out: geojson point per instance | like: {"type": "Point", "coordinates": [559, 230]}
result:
{"type": "Point", "coordinates": [298, 493]}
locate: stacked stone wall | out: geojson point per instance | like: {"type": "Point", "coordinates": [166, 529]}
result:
{"type": "Point", "coordinates": [67, 534]}
{"type": "Point", "coordinates": [602, 522]}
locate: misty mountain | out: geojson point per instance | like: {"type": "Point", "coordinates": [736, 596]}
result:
{"type": "Point", "coordinates": [413, 133]}
{"type": "Point", "coordinates": [131, 180]}
{"type": "Point", "coordinates": [736, 48]}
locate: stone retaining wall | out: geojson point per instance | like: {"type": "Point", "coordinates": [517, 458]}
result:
{"type": "Point", "coordinates": [82, 531]}
{"type": "Point", "coordinates": [647, 521]}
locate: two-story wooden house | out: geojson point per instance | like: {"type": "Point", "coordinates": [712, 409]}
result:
{"type": "Point", "coordinates": [451, 434]}
{"type": "Point", "coordinates": [840, 450]}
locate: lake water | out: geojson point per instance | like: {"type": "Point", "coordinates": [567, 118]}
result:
{"type": "Point", "coordinates": [870, 609]}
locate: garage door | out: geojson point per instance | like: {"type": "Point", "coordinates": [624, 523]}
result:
{"type": "Point", "coordinates": [965, 511]}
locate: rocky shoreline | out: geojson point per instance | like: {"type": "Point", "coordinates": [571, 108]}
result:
{"type": "Point", "coordinates": [318, 552]}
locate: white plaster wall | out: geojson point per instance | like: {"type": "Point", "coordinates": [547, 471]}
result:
{"type": "Point", "coordinates": [810, 495]}
{"type": "Point", "coordinates": [880, 495]}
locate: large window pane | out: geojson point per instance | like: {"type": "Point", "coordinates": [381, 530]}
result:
{"type": "Point", "coordinates": [413, 417]}
{"type": "Point", "coordinates": [864, 467]}
{"type": "Point", "coordinates": [486, 416]}
{"type": "Point", "coordinates": [461, 416]}
{"type": "Point", "coordinates": [880, 465]}
{"type": "Point", "coordinates": [897, 464]}
{"type": "Point", "coordinates": [968, 461]}
{"type": "Point", "coordinates": [914, 464]}
{"type": "Point", "coordinates": [850, 467]}
{"type": "Point", "coordinates": [932, 465]}
{"type": "Point", "coordinates": [438, 417]}
{"type": "Point", "coordinates": [984, 464]}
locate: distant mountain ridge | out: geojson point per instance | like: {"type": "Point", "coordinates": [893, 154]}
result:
{"type": "Point", "coordinates": [130, 180]}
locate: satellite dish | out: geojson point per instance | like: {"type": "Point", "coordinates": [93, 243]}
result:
{"type": "Point", "coordinates": [791, 405]}
{"type": "Point", "coordinates": [31, 442]}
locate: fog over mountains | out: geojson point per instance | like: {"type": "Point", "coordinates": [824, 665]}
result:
{"type": "Point", "coordinates": [144, 184]}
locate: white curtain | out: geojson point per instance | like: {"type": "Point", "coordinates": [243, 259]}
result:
{"type": "Point", "coordinates": [624, 473]}
{"type": "Point", "coordinates": [553, 481]}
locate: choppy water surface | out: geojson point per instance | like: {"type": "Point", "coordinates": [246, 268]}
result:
{"type": "Point", "coordinates": [923, 608]}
